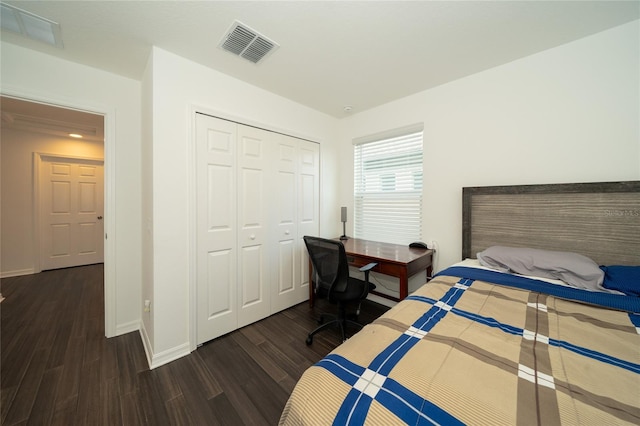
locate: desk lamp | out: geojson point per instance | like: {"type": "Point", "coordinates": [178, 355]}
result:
{"type": "Point", "coordinates": [343, 213]}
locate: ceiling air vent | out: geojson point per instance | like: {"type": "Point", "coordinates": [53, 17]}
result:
{"type": "Point", "coordinates": [31, 26]}
{"type": "Point", "coordinates": [247, 43]}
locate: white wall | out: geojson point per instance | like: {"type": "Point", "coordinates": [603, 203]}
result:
{"type": "Point", "coordinates": [18, 148]}
{"type": "Point", "coordinates": [569, 114]}
{"type": "Point", "coordinates": [178, 86]}
{"type": "Point", "coordinates": [146, 201]}
{"type": "Point", "coordinates": [32, 75]}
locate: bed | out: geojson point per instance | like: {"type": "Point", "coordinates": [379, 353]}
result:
{"type": "Point", "coordinates": [484, 342]}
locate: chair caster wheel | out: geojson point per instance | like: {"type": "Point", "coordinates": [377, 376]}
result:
{"type": "Point", "coordinates": [309, 340]}
{"type": "Point", "coordinates": [320, 321]}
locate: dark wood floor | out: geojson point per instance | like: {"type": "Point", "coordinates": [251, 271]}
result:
{"type": "Point", "coordinates": [58, 368]}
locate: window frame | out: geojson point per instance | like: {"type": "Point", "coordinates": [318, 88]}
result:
{"type": "Point", "coordinates": [393, 216]}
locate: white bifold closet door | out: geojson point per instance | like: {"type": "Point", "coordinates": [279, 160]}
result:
{"type": "Point", "coordinates": [297, 173]}
{"type": "Point", "coordinates": [255, 147]}
{"type": "Point", "coordinates": [216, 233]}
{"type": "Point", "coordinates": [250, 191]}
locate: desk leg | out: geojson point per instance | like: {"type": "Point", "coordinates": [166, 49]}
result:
{"type": "Point", "coordinates": [312, 291]}
{"type": "Point", "coordinates": [404, 284]}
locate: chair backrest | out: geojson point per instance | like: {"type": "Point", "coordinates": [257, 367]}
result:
{"type": "Point", "coordinates": [329, 263]}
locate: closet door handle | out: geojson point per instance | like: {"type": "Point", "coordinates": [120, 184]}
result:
{"type": "Point", "coordinates": [287, 232]}
{"type": "Point", "coordinates": [253, 236]}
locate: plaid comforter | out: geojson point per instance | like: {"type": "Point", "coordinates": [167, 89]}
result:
{"type": "Point", "coordinates": [462, 350]}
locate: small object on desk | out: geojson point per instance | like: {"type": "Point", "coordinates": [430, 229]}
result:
{"type": "Point", "coordinates": [343, 214]}
{"type": "Point", "coordinates": [419, 244]}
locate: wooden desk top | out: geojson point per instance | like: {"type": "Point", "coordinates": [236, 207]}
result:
{"type": "Point", "coordinates": [393, 253]}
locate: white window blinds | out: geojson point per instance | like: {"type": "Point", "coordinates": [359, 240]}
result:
{"type": "Point", "coordinates": [388, 188]}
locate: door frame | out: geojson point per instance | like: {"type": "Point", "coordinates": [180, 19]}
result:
{"type": "Point", "coordinates": [108, 114]}
{"type": "Point", "coordinates": [38, 159]}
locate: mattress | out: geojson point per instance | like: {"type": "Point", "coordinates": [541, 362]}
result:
{"type": "Point", "coordinates": [475, 346]}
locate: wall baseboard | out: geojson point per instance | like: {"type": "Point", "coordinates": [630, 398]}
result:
{"type": "Point", "coordinates": [162, 358]}
{"type": "Point", "coordinates": [17, 273]}
{"type": "Point", "coordinates": [169, 355]}
{"type": "Point", "coordinates": [127, 327]}
{"type": "Point", "coordinates": [146, 343]}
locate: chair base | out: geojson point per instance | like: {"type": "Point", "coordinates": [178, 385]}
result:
{"type": "Point", "coordinates": [339, 321]}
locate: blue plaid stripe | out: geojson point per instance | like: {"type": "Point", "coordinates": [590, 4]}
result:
{"type": "Point", "coordinates": [422, 299]}
{"type": "Point", "coordinates": [411, 408]}
{"type": "Point", "coordinates": [372, 382]}
{"type": "Point", "coordinates": [388, 358]}
{"type": "Point", "coordinates": [354, 409]}
{"type": "Point", "coordinates": [342, 368]}
{"type": "Point", "coordinates": [517, 331]}
{"type": "Point", "coordinates": [408, 406]}
{"type": "Point", "coordinates": [616, 301]}
{"type": "Point", "coordinates": [635, 368]}
{"type": "Point", "coordinates": [488, 321]}
{"type": "Point", "coordinates": [491, 322]}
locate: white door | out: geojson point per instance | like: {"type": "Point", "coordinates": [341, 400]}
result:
{"type": "Point", "coordinates": [308, 206]}
{"type": "Point", "coordinates": [71, 212]}
{"type": "Point", "coordinates": [297, 209]}
{"type": "Point", "coordinates": [216, 233]}
{"type": "Point", "coordinates": [254, 198]}
{"type": "Point", "coordinates": [286, 271]}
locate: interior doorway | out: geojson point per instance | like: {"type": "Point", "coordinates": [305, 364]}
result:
{"type": "Point", "coordinates": [33, 133]}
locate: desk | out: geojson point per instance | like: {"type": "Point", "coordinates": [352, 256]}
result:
{"type": "Point", "coordinates": [395, 260]}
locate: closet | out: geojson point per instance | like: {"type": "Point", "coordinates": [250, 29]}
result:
{"type": "Point", "coordinates": [257, 195]}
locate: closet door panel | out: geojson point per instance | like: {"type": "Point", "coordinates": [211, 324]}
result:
{"type": "Point", "coordinates": [308, 206]}
{"type": "Point", "coordinates": [254, 153]}
{"type": "Point", "coordinates": [220, 270]}
{"type": "Point", "coordinates": [286, 266]}
{"type": "Point", "coordinates": [285, 281]}
{"type": "Point", "coordinates": [216, 228]}
{"type": "Point", "coordinates": [286, 232]}
{"type": "Point", "coordinates": [251, 294]}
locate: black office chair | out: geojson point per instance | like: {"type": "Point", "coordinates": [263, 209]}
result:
{"type": "Point", "coordinates": [332, 281]}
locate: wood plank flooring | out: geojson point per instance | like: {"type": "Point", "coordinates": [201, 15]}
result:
{"type": "Point", "coordinates": [57, 368]}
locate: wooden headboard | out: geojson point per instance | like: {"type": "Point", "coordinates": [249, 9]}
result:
{"type": "Point", "coordinates": [598, 220]}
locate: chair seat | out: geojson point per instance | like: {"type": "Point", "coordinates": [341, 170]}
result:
{"type": "Point", "coordinates": [354, 289]}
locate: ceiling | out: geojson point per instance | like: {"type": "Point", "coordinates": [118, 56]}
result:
{"type": "Point", "coordinates": [22, 115]}
{"type": "Point", "coordinates": [331, 53]}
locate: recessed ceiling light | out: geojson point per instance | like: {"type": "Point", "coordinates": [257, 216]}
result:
{"type": "Point", "coordinates": [31, 26]}
{"type": "Point", "coordinates": [348, 108]}
{"type": "Point", "coordinates": [75, 135]}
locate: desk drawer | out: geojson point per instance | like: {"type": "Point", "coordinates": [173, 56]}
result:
{"type": "Point", "coordinates": [359, 262]}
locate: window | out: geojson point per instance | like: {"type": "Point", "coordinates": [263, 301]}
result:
{"type": "Point", "coordinates": [388, 186]}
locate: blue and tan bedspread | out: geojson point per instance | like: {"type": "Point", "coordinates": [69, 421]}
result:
{"type": "Point", "coordinates": [462, 350]}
